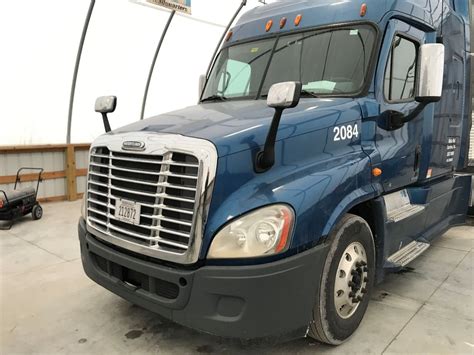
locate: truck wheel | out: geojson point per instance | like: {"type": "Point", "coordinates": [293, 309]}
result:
{"type": "Point", "coordinates": [346, 283]}
{"type": "Point", "coordinates": [37, 212]}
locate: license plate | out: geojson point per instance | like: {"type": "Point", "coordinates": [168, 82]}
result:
{"type": "Point", "coordinates": [128, 211]}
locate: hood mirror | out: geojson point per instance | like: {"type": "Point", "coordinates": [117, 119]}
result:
{"type": "Point", "coordinates": [105, 105]}
{"type": "Point", "coordinates": [284, 95]}
{"type": "Point", "coordinates": [281, 96]}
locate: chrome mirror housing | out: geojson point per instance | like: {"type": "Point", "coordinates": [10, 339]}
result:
{"type": "Point", "coordinates": [106, 104]}
{"type": "Point", "coordinates": [430, 77]}
{"type": "Point", "coordinates": [284, 95]}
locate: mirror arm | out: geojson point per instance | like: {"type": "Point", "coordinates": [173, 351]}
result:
{"type": "Point", "coordinates": [392, 120]}
{"type": "Point", "coordinates": [106, 122]}
{"type": "Point", "coordinates": [412, 115]}
{"type": "Point", "coordinates": [265, 159]}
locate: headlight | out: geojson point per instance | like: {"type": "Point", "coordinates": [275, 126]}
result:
{"type": "Point", "coordinates": [263, 232]}
{"type": "Point", "coordinates": [83, 207]}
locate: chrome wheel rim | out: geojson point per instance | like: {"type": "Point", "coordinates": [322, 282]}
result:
{"type": "Point", "coordinates": [351, 280]}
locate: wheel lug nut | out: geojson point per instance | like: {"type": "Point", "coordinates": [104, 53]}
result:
{"type": "Point", "coordinates": [355, 300]}
{"type": "Point", "coordinates": [351, 295]}
{"type": "Point", "coordinates": [351, 284]}
{"type": "Point", "coordinates": [359, 298]}
{"type": "Point", "coordinates": [366, 279]}
{"type": "Point", "coordinates": [366, 269]}
{"type": "Point", "coordinates": [364, 290]}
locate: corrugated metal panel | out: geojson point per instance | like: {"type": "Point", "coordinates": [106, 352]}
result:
{"type": "Point", "coordinates": [47, 188]}
{"type": "Point", "coordinates": [81, 184]}
{"type": "Point", "coordinates": [82, 162]}
{"type": "Point", "coordinates": [82, 159]}
{"type": "Point", "coordinates": [49, 161]}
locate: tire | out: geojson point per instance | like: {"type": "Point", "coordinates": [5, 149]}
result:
{"type": "Point", "coordinates": [37, 212]}
{"type": "Point", "coordinates": [335, 317]}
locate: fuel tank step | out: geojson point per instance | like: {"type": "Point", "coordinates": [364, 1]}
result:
{"type": "Point", "coordinates": [404, 212]}
{"type": "Point", "coordinates": [408, 253]}
{"type": "Point", "coordinates": [399, 206]}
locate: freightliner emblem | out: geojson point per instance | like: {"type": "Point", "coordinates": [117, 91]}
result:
{"type": "Point", "coordinates": [134, 146]}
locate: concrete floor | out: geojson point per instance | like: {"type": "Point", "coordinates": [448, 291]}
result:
{"type": "Point", "coordinates": [48, 305]}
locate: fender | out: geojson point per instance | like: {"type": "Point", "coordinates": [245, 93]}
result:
{"type": "Point", "coordinates": [355, 198]}
{"type": "Point", "coordinates": [319, 190]}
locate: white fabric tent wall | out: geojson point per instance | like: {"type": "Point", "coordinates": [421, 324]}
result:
{"type": "Point", "coordinates": [38, 48]}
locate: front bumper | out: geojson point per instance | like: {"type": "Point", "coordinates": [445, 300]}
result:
{"type": "Point", "coordinates": [245, 302]}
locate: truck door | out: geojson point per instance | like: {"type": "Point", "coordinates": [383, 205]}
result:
{"type": "Point", "coordinates": [400, 149]}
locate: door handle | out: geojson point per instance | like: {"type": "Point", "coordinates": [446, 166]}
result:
{"type": "Point", "coordinates": [416, 164]}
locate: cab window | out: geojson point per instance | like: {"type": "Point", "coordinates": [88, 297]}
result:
{"type": "Point", "coordinates": [400, 74]}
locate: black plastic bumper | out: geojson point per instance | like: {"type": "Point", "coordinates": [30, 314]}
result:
{"type": "Point", "coordinates": [245, 302]}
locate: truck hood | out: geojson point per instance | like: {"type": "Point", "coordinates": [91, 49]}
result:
{"type": "Point", "coordinates": [235, 126]}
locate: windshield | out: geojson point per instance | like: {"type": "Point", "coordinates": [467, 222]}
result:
{"type": "Point", "coordinates": [327, 62]}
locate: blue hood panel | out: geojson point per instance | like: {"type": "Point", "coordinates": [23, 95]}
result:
{"type": "Point", "coordinates": [242, 125]}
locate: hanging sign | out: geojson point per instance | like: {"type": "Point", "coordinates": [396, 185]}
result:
{"type": "Point", "coordinates": [177, 5]}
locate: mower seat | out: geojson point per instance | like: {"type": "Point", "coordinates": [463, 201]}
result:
{"type": "Point", "coordinates": [19, 194]}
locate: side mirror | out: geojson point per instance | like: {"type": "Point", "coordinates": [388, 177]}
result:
{"type": "Point", "coordinates": [284, 95]}
{"type": "Point", "coordinates": [281, 96]}
{"type": "Point", "coordinates": [430, 78]}
{"type": "Point", "coordinates": [105, 105]}
{"type": "Point", "coordinates": [202, 84]}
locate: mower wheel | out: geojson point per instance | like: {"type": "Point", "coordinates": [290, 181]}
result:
{"type": "Point", "coordinates": [37, 212]}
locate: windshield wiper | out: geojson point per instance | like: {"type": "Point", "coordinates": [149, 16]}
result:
{"type": "Point", "coordinates": [215, 98]}
{"type": "Point", "coordinates": [308, 93]}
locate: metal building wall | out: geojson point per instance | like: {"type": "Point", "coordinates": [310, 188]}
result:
{"type": "Point", "coordinates": [54, 162]}
{"type": "Point", "coordinates": [82, 162]}
{"type": "Point", "coordinates": [49, 161]}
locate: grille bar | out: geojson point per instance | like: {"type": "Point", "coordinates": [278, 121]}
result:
{"type": "Point", "coordinates": [161, 218]}
{"type": "Point", "coordinates": [166, 162]}
{"type": "Point", "coordinates": [144, 226]}
{"type": "Point", "coordinates": [161, 206]}
{"type": "Point", "coordinates": [167, 174]}
{"type": "Point", "coordinates": [141, 236]}
{"type": "Point", "coordinates": [165, 186]}
{"type": "Point", "coordinates": [160, 195]}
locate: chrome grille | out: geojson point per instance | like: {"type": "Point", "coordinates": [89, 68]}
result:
{"type": "Point", "coordinates": [166, 187]}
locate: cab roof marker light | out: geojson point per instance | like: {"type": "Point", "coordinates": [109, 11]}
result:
{"type": "Point", "coordinates": [269, 25]}
{"type": "Point", "coordinates": [298, 20]}
{"type": "Point", "coordinates": [283, 22]}
{"type": "Point", "coordinates": [229, 36]}
{"type": "Point", "coordinates": [363, 10]}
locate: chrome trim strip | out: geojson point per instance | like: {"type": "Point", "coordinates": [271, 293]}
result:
{"type": "Point", "coordinates": [147, 172]}
{"type": "Point", "coordinates": [161, 144]}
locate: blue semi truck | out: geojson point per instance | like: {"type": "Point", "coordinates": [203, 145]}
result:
{"type": "Point", "coordinates": [327, 149]}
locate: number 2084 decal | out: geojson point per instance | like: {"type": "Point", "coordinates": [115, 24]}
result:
{"type": "Point", "coordinates": [342, 133]}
